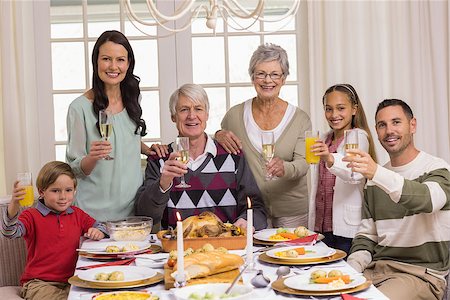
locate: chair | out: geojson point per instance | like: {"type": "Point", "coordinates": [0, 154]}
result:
{"type": "Point", "coordinates": [12, 261]}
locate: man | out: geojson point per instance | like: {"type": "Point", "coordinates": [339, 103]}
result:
{"type": "Point", "coordinates": [219, 182]}
{"type": "Point", "coordinates": [402, 243]}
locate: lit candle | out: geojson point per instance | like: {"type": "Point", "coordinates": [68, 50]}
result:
{"type": "Point", "coordinates": [249, 232]}
{"type": "Point", "coordinates": [180, 250]}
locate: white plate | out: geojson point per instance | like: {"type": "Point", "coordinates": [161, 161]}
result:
{"type": "Point", "coordinates": [302, 282]}
{"type": "Point", "coordinates": [312, 252]}
{"type": "Point", "coordinates": [264, 235]}
{"type": "Point", "coordinates": [183, 293]}
{"type": "Point", "coordinates": [131, 273]}
{"type": "Point", "coordinates": [99, 247]}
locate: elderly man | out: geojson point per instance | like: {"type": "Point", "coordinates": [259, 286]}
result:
{"type": "Point", "coordinates": [402, 243]}
{"type": "Point", "coordinates": [219, 182]}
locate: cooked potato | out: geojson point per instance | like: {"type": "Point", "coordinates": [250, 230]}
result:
{"type": "Point", "coordinates": [130, 247]}
{"type": "Point", "coordinates": [102, 276]}
{"type": "Point", "coordinates": [301, 231]}
{"type": "Point", "coordinates": [334, 273]}
{"type": "Point", "coordinates": [318, 274]}
{"type": "Point", "coordinates": [116, 276]}
{"type": "Point", "coordinates": [222, 249]}
{"type": "Point", "coordinates": [208, 247]}
{"type": "Point", "coordinates": [112, 249]}
{"type": "Point", "coordinates": [291, 253]}
{"type": "Point", "coordinates": [173, 254]}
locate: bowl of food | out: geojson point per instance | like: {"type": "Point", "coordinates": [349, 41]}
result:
{"type": "Point", "coordinates": [213, 291]}
{"type": "Point", "coordinates": [130, 229]}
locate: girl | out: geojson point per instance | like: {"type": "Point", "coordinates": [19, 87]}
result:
{"type": "Point", "coordinates": [334, 206]}
{"type": "Point", "coordinates": [52, 231]}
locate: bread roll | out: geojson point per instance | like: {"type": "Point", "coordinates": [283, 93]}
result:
{"type": "Point", "coordinates": [208, 263]}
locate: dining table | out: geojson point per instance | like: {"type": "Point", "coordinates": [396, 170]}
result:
{"type": "Point", "coordinates": [264, 293]}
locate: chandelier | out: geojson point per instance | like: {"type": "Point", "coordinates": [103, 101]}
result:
{"type": "Point", "coordinates": [233, 12]}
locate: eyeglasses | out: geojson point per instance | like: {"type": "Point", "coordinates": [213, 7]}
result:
{"type": "Point", "coordinates": [273, 76]}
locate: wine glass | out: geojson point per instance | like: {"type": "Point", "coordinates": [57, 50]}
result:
{"type": "Point", "coordinates": [106, 126]}
{"type": "Point", "coordinates": [268, 148]}
{"type": "Point", "coordinates": [351, 142]}
{"type": "Point", "coordinates": [182, 146]}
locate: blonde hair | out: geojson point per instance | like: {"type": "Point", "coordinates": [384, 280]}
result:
{"type": "Point", "coordinates": [359, 120]}
{"type": "Point", "coordinates": [50, 172]}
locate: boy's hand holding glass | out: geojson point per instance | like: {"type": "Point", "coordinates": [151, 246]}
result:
{"type": "Point", "coordinates": [25, 184]}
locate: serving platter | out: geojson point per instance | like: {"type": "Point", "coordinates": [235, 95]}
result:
{"type": "Point", "coordinates": [337, 256]}
{"type": "Point", "coordinates": [230, 242]}
{"type": "Point", "coordinates": [302, 282]}
{"type": "Point", "coordinates": [76, 281]}
{"type": "Point", "coordinates": [279, 286]}
{"type": "Point", "coordinates": [114, 256]}
{"type": "Point", "coordinates": [312, 253]}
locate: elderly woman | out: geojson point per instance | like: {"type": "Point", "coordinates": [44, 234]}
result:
{"type": "Point", "coordinates": [286, 194]}
{"type": "Point", "coordinates": [219, 182]}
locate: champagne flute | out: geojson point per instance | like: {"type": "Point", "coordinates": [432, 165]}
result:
{"type": "Point", "coordinates": [351, 142]}
{"type": "Point", "coordinates": [106, 126]}
{"type": "Point", "coordinates": [268, 148]}
{"type": "Point", "coordinates": [182, 146]}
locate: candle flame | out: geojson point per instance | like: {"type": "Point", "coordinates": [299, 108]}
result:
{"type": "Point", "coordinates": [178, 216]}
{"type": "Point", "coordinates": [249, 203]}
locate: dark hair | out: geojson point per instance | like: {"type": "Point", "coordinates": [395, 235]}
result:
{"type": "Point", "coordinates": [359, 120]}
{"type": "Point", "coordinates": [50, 173]}
{"type": "Point", "coordinates": [393, 102]}
{"type": "Point", "coordinates": [129, 87]}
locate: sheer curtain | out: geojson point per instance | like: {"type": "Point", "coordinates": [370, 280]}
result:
{"type": "Point", "coordinates": [385, 49]}
{"type": "Point", "coordinates": [20, 136]}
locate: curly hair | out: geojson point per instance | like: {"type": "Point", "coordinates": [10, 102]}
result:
{"type": "Point", "coordinates": [129, 87]}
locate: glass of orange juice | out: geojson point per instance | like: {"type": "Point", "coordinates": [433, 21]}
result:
{"type": "Point", "coordinates": [26, 183]}
{"type": "Point", "coordinates": [311, 137]}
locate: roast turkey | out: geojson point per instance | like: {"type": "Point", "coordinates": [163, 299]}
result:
{"type": "Point", "coordinates": [207, 224]}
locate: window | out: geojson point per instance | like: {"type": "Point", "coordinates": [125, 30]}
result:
{"type": "Point", "coordinates": [218, 62]}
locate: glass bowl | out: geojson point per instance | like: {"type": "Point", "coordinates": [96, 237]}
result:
{"type": "Point", "coordinates": [130, 229]}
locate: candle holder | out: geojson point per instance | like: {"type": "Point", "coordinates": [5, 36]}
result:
{"type": "Point", "coordinates": [251, 264]}
{"type": "Point", "coordinates": [180, 281]}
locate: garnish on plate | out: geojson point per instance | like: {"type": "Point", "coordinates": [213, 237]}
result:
{"type": "Point", "coordinates": [292, 253]}
{"type": "Point", "coordinates": [282, 234]}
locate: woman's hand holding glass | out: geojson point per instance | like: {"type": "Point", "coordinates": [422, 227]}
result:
{"type": "Point", "coordinates": [275, 168]}
{"type": "Point", "coordinates": [100, 149]}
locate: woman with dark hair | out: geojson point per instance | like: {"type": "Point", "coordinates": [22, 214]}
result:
{"type": "Point", "coordinates": [107, 187]}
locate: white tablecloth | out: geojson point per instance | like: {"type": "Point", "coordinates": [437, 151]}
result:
{"type": "Point", "coordinates": [267, 293]}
